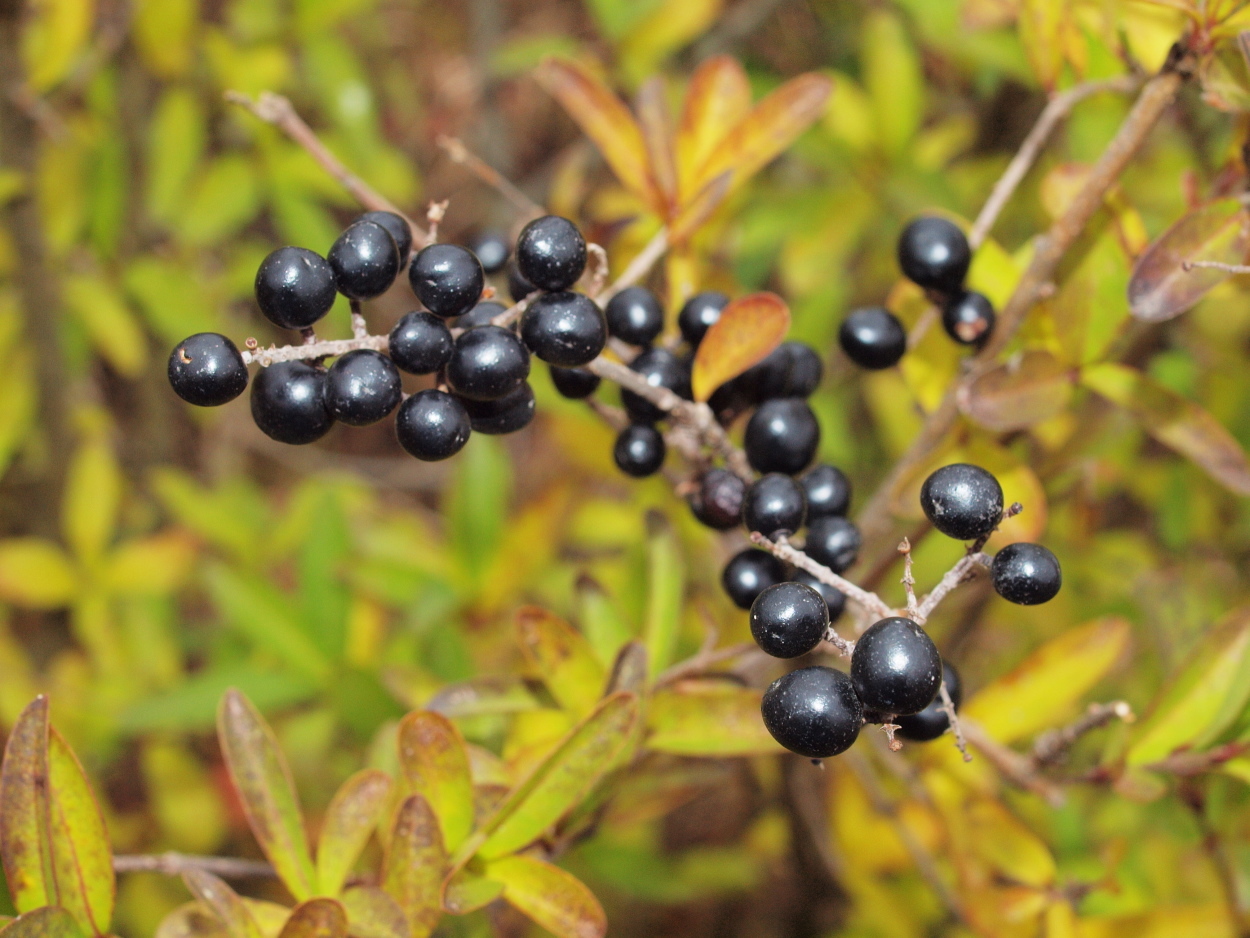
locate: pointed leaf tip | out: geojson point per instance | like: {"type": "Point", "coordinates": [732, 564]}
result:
{"type": "Point", "coordinates": [746, 333]}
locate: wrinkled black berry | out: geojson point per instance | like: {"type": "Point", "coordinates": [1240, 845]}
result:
{"type": "Point", "coordinates": [551, 253]}
{"type": "Point", "coordinates": [492, 251]}
{"type": "Point", "coordinates": [207, 370]}
{"type": "Point", "coordinates": [565, 329]}
{"type": "Point", "coordinates": [828, 491]}
{"type": "Point", "coordinates": [895, 667]}
{"type": "Point", "coordinates": [1027, 574]}
{"type": "Point", "coordinates": [932, 721]}
{"type": "Point", "coordinates": [639, 450]}
{"type": "Point", "coordinates": [748, 573]}
{"type": "Point", "coordinates": [782, 436]}
{"type": "Point", "coordinates": [635, 316]}
{"type": "Point", "coordinates": [788, 619]}
{"type": "Point", "coordinates": [420, 343]}
{"type": "Point", "coordinates": [294, 287]}
{"type": "Point", "coordinates": [718, 501]}
{"type": "Point", "coordinates": [432, 425]}
{"type": "Point", "coordinates": [934, 254]}
{"type": "Point", "coordinates": [508, 414]}
{"type": "Point", "coordinates": [397, 227]}
{"type": "Point", "coordinates": [289, 402]}
{"type": "Point", "coordinates": [661, 369]}
{"type": "Point", "coordinates": [813, 712]}
{"type": "Point", "coordinates": [447, 278]}
{"type": "Point", "coordinates": [365, 260]}
{"type": "Point", "coordinates": [873, 338]}
{"type": "Point", "coordinates": [774, 505]}
{"type": "Point", "coordinates": [574, 383]}
{"type": "Point", "coordinates": [487, 363]}
{"type": "Point", "coordinates": [963, 501]}
{"type": "Point", "coordinates": [833, 541]}
{"type": "Point", "coordinates": [698, 314]}
{"type": "Point", "coordinates": [968, 318]}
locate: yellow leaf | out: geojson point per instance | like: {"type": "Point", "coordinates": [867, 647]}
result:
{"type": "Point", "coordinates": [707, 718]}
{"type": "Point", "coordinates": [112, 327]}
{"type": "Point", "coordinates": [748, 329]}
{"type": "Point", "coordinates": [36, 573]}
{"type": "Point", "coordinates": [717, 99]}
{"type": "Point", "coordinates": [416, 865]}
{"type": "Point", "coordinates": [657, 134]}
{"type": "Point", "coordinates": [561, 658]}
{"type": "Point", "coordinates": [92, 495]}
{"type": "Point", "coordinates": [150, 566]}
{"type": "Point", "coordinates": [894, 81]}
{"type": "Point", "coordinates": [554, 899]}
{"type": "Point", "coordinates": [1006, 845]}
{"type": "Point", "coordinates": [436, 766]}
{"type": "Point", "coordinates": [163, 33]}
{"type": "Point", "coordinates": [669, 27]}
{"type": "Point", "coordinates": [58, 32]}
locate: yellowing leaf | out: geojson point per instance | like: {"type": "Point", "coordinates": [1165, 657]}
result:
{"type": "Point", "coordinates": [373, 914]}
{"type": "Point", "coordinates": [1041, 34]}
{"type": "Point", "coordinates": [670, 26]}
{"type": "Point", "coordinates": [56, 36]}
{"type": "Point", "coordinates": [349, 820]}
{"type": "Point", "coordinates": [717, 99]}
{"type": "Point", "coordinates": [81, 856]}
{"type": "Point", "coordinates": [92, 495]}
{"type": "Point", "coordinates": [468, 889]}
{"type": "Point", "coordinates": [893, 79]}
{"type": "Point", "coordinates": [1019, 393]}
{"type": "Point", "coordinates": [48, 922]}
{"type": "Point", "coordinates": [25, 837]}
{"type": "Point", "coordinates": [36, 573]}
{"type": "Point", "coordinates": [657, 134]}
{"type": "Point", "coordinates": [556, 900]}
{"type": "Point", "coordinates": [416, 865]}
{"type": "Point", "coordinates": [748, 329]}
{"type": "Point", "coordinates": [163, 32]}
{"type": "Point", "coordinates": [436, 767]}
{"type": "Point", "coordinates": [562, 658]}
{"type": "Point", "coordinates": [707, 718]}
{"type": "Point", "coordinates": [150, 566]}
{"type": "Point", "coordinates": [223, 902]}
{"type": "Point", "coordinates": [192, 920]}
{"type": "Point", "coordinates": [316, 918]}
{"type": "Point", "coordinates": [1006, 845]}
{"type": "Point", "coordinates": [113, 328]}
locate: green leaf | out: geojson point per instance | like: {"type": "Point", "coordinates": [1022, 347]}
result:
{"type": "Point", "coordinates": [316, 918]}
{"type": "Point", "coordinates": [708, 718]}
{"type": "Point", "coordinates": [554, 899]}
{"type": "Point", "coordinates": [263, 781]}
{"type": "Point", "coordinates": [191, 706]}
{"type": "Point", "coordinates": [92, 496]}
{"type": "Point", "coordinates": [561, 657]}
{"type": "Point", "coordinates": [415, 866]}
{"type": "Point", "coordinates": [468, 889]}
{"type": "Point", "coordinates": [111, 326]}
{"type": "Point", "coordinates": [349, 820]}
{"type": "Point", "coordinates": [48, 922]}
{"type": "Point", "coordinates": [477, 504]}
{"type": "Point", "coordinates": [18, 391]}
{"type": "Point", "coordinates": [57, 34]}
{"type": "Point", "coordinates": [82, 858]}
{"type": "Point", "coordinates": [150, 566]}
{"type": "Point", "coordinates": [373, 914]}
{"type": "Point", "coordinates": [225, 198]}
{"type": "Point", "coordinates": [175, 301]}
{"type": "Point", "coordinates": [36, 573]}
{"type": "Point", "coordinates": [436, 767]}
{"type": "Point", "coordinates": [164, 33]}
{"type": "Point", "coordinates": [665, 587]}
{"type": "Point", "coordinates": [232, 516]}
{"type": "Point", "coordinates": [224, 903]}
{"type": "Point", "coordinates": [893, 79]}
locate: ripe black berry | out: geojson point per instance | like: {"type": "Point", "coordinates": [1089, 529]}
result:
{"type": "Point", "coordinates": [492, 251]}
{"type": "Point", "coordinates": [362, 387]}
{"type": "Point", "coordinates": [964, 502]}
{"type": "Point", "coordinates": [718, 501]}
{"type": "Point", "coordinates": [873, 338]}
{"type": "Point", "coordinates": [835, 599]}
{"type": "Point", "coordinates": [788, 619]}
{"type": "Point", "coordinates": [635, 316]}
{"type": "Point", "coordinates": [748, 573]}
{"type": "Point", "coordinates": [487, 363]}
{"type": "Point", "coordinates": [207, 370]}
{"type": "Point", "coordinates": [968, 318]}
{"type": "Point", "coordinates": [639, 450]}
{"type": "Point", "coordinates": [934, 254]}
{"type": "Point", "coordinates": [481, 315]}
{"type": "Point", "coordinates": [774, 505]}
{"type": "Point", "coordinates": [447, 278]}
{"type": "Point", "coordinates": [518, 287]}
{"type": "Point", "coordinates": [782, 436]}
{"type": "Point", "coordinates": [828, 491]}
{"type": "Point", "coordinates": [932, 721]}
{"type": "Point", "coordinates": [565, 329]}
{"type": "Point", "coordinates": [813, 712]}
{"type": "Point", "coordinates": [365, 260]}
{"type": "Point", "coordinates": [420, 343]}
{"type": "Point", "coordinates": [792, 369]}
{"type": "Point", "coordinates": [551, 253]}
{"type": "Point", "coordinates": [289, 402]}
{"type": "Point", "coordinates": [506, 414]}
{"type": "Point", "coordinates": [574, 383]}
{"type": "Point", "coordinates": [432, 425]}
{"type": "Point", "coordinates": [398, 229]}
{"type": "Point", "coordinates": [895, 667]}
{"type": "Point", "coordinates": [294, 287]}
{"type": "Point", "coordinates": [698, 314]}
{"type": "Point", "coordinates": [661, 369]}
{"type": "Point", "coordinates": [833, 541]}
{"type": "Point", "coordinates": [1027, 574]}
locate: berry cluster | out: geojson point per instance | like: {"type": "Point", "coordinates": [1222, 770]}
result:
{"type": "Point", "coordinates": [934, 254]}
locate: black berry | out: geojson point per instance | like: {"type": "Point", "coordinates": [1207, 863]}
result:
{"type": "Point", "coordinates": [788, 619]}
{"type": "Point", "coordinates": [207, 370]}
{"type": "Point", "coordinates": [661, 369]}
{"type": "Point", "coordinates": [833, 541]}
{"type": "Point", "coordinates": [639, 450]}
{"type": "Point", "coordinates": [698, 314]}
{"type": "Point", "coordinates": [506, 414]}
{"type": "Point", "coordinates": [873, 338]}
{"type": "Point", "coordinates": [718, 501]}
{"type": "Point", "coordinates": [932, 721]}
{"type": "Point", "coordinates": [635, 316]}
{"type": "Point", "coordinates": [835, 599]}
{"type": "Point", "coordinates": [447, 278]}
{"type": "Point", "coordinates": [748, 573]}
{"type": "Point", "coordinates": [813, 712]}
{"type": "Point", "coordinates": [397, 227]}
{"type": "Point", "coordinates": [828, 491]}
{"type": "Point", "coordinates": [487, 363]}
{"type": "Point", "coordinates": [289, 402]}
{"type": "Point", "coordinates": [518, 287]}
{"type": "Point", "coordinates": [1027, 574]}
{"type": "Point", "coordinates": [792, 369]}
{"type": "Point", "coordinates": [968, 318]}
{"type": "Point", "coordinates": [432, 425]}
{"type": "Point", "coordinates": [551, 253]}
{"type": "Point", "coordinates": [574, 383]}
{"type": "Point", "coordinates": [774, 505]}
{"type": "Point", "coordinates": [365, 260]}
{"type": "Point", "coordinates": [565, 329]}
{"type": "Point", "coordinates": [782, 436]}
{"type": "Point", "coordinates": [420, 343]}
{"type": "Point", "coordinates": [481, 315]}
{"type": "Point", "coordinates": [492, 251]}
{"type": "Point", "coordinates": [934, 254]}
{"type": "Point", "coordinates": [895, 667]}
{"type": "Point", "coordinates": [294, 287]}
{"type": "Point", "coordinates": [964, 502]}
{"type": "Point", "coordinates": [362, 387]}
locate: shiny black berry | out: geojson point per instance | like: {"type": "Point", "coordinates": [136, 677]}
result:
{"type": "Point", "coordinates": [518, 287]}
{"type": "Point", "coordinates": [289, 402]}
{"type": "Point", "coordinates": [492, 251]}
{"type": "Point", "coordinates": [574, 383]}
{"type": "Point", "coordinates": [774, 505]}
{"type": "Point", "coordinates": [506, 414]}
{"type": "Point", "coordinates": [551, 253]}
{"type": "Point", "coordinates": [1027, 574]}
{"type": "Point", "coordinates": [397, 227]}
{"type": "Point", "coordinates": [788, 619]}
{"type": "Point", "coordinates": [813, 712]}
{"type": "Point", "coordinates": [932, 721]}
{"type": "Point", "coordinates": [718, 501]}
{"type": "Point", "coordinates": [698, 314]}
{"type": "Point", "coordinates": [420, 343]}
{"type": "Point", "coordinates": [487, 363]}
{"type": "Point", "coordinates": [968, 318]}
{"type": "Point", "coordinates": [365, 260]}
{"type": "Point", "coordinates": [362, 387]}
{"type": "Point", "coordinates": [481, 315]}
{"type": "Point", "coordinates": [833, 541]}
{"type": "Point", "coordinates": [639, 450]}
{"type": "Point", "coordinates": [635, 316]}
{"type": "Point", "coordinates": [294, 287]}
{"type": "Point", "coordinates": [828, 491]}
{"type": "Point", "coordinates": [748, 573]}
{"type": "Point", "coordinates": [447, 278]}
{"type": "Point", "coordinates": [565, 329]}
{"type": "Point", "coordinates": [873, 338]}
{"type": "Point", "coordinates": [895, 667]}
{"type": "Point", "coordinates": [934, 254]}
{"type": "Point", "coordinates": [964, 502]}
{"type": "Point", "coordinates": [432, 425]}
{"type": "Point", "coordinates": [792, 369]}
{"type": "Point", "coordinates": [661, 369]}
{"type": "Point", "coordinates": [782, 436]}
{"type": "Point", "coordinates": [207, 370]}
{"type": "Point", "coordinates": [835, 599]}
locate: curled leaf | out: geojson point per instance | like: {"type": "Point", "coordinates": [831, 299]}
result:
{"type": "Point", "coordinates": [556, 900]}
{"type": "Point", "coordinates": [349, 820]}
{"type": "Point", "coordinates": [748, 329]}
{"type": "Point", "coordinates": [1019, 393]}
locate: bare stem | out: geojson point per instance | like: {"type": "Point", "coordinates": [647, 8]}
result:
{"type": "Point", "coordinates": [360, 328]}
{"type": "Point", "coordinates": [948, 706]}
{"type": "Point", "coordinates": [783, 550]}
{"type": "Point", "coordinates": [1051, 747]}
{"type": "Point", "coordinates": [597, 269]}
{"type": "Point", "coordinates": [963, 571]}
{"type": "Point", "coordinates": [1014, 767]}
{"type": "Point", "coordinates": [175, 864]}
{"type": "Point", "coordinates": [1217, 265]}
{"type": "Point", "coordinates": [327, 349]}
{"type": "Point", "coordinates": [515, 311]}
{"type": "Point", "coordinates": [909, 580]}
{"type": "Point", "coordinates": [462, 155]}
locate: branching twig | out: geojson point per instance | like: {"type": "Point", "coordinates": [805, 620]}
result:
{"type": "Point", "coordinates": [1216, 265]}
{"type": "Point", "coordinates": [783, 550]}
{"type": "Point", "coordinates": [639, 267]}
{"type": "Point", "coordinates": [960, 573]}
{"type": "Point", "coordinates": [175, 864]}
{"type": "Point", "coordinates": [325, 349]}
{"type": "Point", "coordinates": [459, 153]}
{"type": "Point", "coordinates": [909, 581]}
{"type": "Point", "coordinates": [1052, 746]}
{"type": "Point", "coordinates": [1014, 767]}
{"type": "Point", "coordinates": [948, 706]}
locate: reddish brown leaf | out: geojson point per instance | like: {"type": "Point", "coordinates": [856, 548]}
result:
{"type": "Point", "coordinates": [695, 212]}
{"type": "Point", "coordinates": [717, 99]}
{"type": "Point", "coordinates": [1018, 394]}
{"type": "Point", "coordinates": [748, 329]}
{"type": "Point", "coordinates": [556, 900]}
{"type": "Point", "coordinates": [316, 918]}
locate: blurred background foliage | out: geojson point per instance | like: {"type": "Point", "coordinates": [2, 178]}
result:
{"type": "Point", "coordinates": [153, 557]}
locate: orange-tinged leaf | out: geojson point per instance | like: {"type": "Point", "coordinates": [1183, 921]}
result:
{"type": "Point", "coordinates": [1175, 422]}
{"type": "Point", "coordinates": [48, 922]}
{"type": "Point", "coordinates": [416, 865]}
{"type": "Point", "coordinates": [316, 918]}
{"type": "Point", "coordinates": [657, 135]}
{"type": "Point", "coordinates": [1019, 393]}
{"type": "Point", "coordinates": [697, 211]}
{"type": "Point", "coordinates": [556, 900]}
{"type": "Point", "coordinates": [708, 718]}
{"type": "Point", "coordinates": [36, 573]}
{"type": "Point", "coordinates": [435, 763]}
{"type": "Point", "coordinates": [223, 902]}
{"type": "Point", "coordinates": [562, 657]}
{"type": "Point", "coordinates": [717, 99]}
{"type": "Point", "coordinates": [25, 840]}
{"type": "Point", "coordinates": [263, 780]}
{"type": "Point", "coordinates": [81, 857]}
{"type": "Point", "coordinates": [602, 117]}
{"type": "Point", "coordinates": [349, 820]}
{"type": "Point", "coordinates": [371, 913]}
{"type": "Point", "coordinates": [748, 329]}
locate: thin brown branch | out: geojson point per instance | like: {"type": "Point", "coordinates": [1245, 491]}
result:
{"type": "Point", "coordinates": [515, 311]}
{"type": "Point", "coordinates": [639, 267]}
{"type": "Point", "coordinates": [325, 349]}
{"type": "Point", "coordinates": [783, 550]}
{"type": "Point", "coordinates": [1216, 265]}
{"type": "Point", "coordinates": [597, 270]}
{"type": "Point", "coordinates": [957, 728]}
{"type": "Point", "coordinates": [1013, 766]}
{"type": "Point", "coordinates": [909, 581]}
{"type": "Point", "coordinates": [1052, 746]}
{"type": "Point", "coordinates": [463, 156]}
{"type": "Point", "coordinates": [963, 571]}
{"type": "Point", "coordinates": [360, 328]}
{"type": "Point", "coordinates": [175, 864]}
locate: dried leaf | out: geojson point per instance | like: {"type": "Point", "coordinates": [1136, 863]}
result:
{"type": "Point", "coordinates": [1161, 288]}
{"type": "Point", "coordinates": [562, 657]}
{"type": "Point", "coordinates": [349, 820]}
{"type": "Point", "coordinates": [223, 902]}
{"type": "Point", "coordinates": [708, 718]}
{"type": "Point", "coordinates": [48, 922]}
{"type": "Point", "coordinates": [36, 573]}
{"type": "Point", "coordinates": [717, 99]}
{"type": "Point", "coordinates": [1019, 393]}
{"type": "Point", "coordinates": [263, 780]}
{"type": "Point", "coordinates": [435, 763]}
{"type": "Point", "coordinates": [748, 329]}
{"type": "Point", "coordinates": [316, 918]}
{"type": "Point", "coordinates": [371, 913]}
{"type": "Point", "coordinates": [556, 900]}
{"type": "Point", "coordinates": [1174, 422]}
{"type": "Point", "coordinates": [415, 866]}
